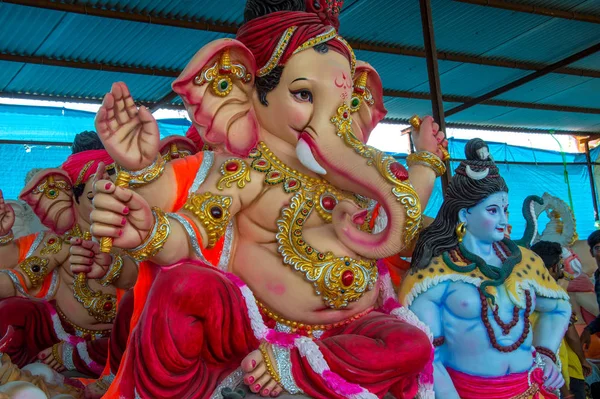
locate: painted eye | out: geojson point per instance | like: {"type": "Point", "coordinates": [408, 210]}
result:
{"type": "Point", "coordinates": [303, 96]}
{"type": "Point", "coordinates": [493, 211]}
{"type": "Point", "coordinates": [317, 5]}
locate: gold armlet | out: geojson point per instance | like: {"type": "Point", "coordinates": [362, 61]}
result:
{"type": "Point", "coordinates": [212, 211]}
{"type": "Point", "coordinates": [56, 354]}
{"type": "Point", "coordinates": [148, 174]}
{"type": "Point", "coordinates": [36, 269]}
{"type": "Point", "coordinates": [428, 159]}
{"type": "Point", "coordinates": [7, 239]}
{"type": "Point", "coordinates": [270, 367]}
{"type": "Point", "coordinates": [155, 240]}
{"type": "Point", "coordinates": [101, 306]}
{"type": "Point", "coordinates": [114, 272]}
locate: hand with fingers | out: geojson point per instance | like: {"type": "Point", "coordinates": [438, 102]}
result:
{"type": "Point", "coordinates": [86, 257]}
{"type": "Point", "coordinates": [130, 135]}
{"type": "Point", "coordinates": [429, 137]}
{"type": "Point", "coordinates": [7, 217]}
{"type": "Point", "coordinates": [553, 378]}
{"type": "Point", "coordinates": [119, 213]}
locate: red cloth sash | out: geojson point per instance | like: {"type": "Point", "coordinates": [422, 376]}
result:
{"type": "Point", "coordinates": [504, 387]}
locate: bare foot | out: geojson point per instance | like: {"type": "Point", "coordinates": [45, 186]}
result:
{"type": "Point", "coordinates": [95, 390]}
{"type": "Point", "coordinates": [256, 375]}
{"type": "Point", "coordinates": [47, 357]}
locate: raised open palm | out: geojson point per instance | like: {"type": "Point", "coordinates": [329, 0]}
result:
{"type": "Point", "coordinates": [130, 135]}
{"type": "Point", "coordinates": [7, 216]}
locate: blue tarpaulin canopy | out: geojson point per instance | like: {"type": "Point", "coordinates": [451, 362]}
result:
{"type": "Point", "coordinates": [56, 125]}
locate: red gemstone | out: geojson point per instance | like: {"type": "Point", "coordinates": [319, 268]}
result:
{"type": "Point", "coordinates": [51, 241]}
{"type": "Point", "coordinates": [347, 278]}
{"type": "Point", "coordinates": [275, 175]}
{"type": "Point", "coordinates": [108, 306]}
{"type": "Point", "coordinates": [328, 203]}
{"type": "Point", "coordinates": [399, 171]}
{"type": "Point", "coordinates": [345, 115]}
{"type": "Point", "coordinates": [261, 163]}
{"type": "Point", "coordinates": [231, 167]}
{"type": "Point", "coordinates": [175, 156]}
{"type": "Point", "coordinates": [292, 183]}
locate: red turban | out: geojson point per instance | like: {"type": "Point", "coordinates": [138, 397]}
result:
{"type": "Point", "coordinates": [82, 165]}
{"type": "Point", "coordinates": [275, 37]}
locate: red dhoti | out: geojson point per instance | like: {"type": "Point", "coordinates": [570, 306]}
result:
{"type": "Point", "coordinates": [505, 387]}
{"type": "Point", "coordinates": [195, 331]}
{"type": "Point", "coordinates": [38, 326]}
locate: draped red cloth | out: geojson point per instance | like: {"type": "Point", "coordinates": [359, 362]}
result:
{"type": "Point", "coordinates": [504, 387]}
{"type": "Point", "coordinates": [34, 331]}
{"type": "Point", "coordinates": [213, 335]}
{"type": "Point", "coordinates": [75, 163]}
{"type": "Point", "coordinates": [262, 35]}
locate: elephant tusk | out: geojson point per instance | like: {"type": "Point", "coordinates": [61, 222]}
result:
{"type": "Point", "coordinates": [306, 158]}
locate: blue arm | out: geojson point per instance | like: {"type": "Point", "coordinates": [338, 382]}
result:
{"type": "Point", "coordinates": [428, 308]}
{"type": "Point", "coordinates": [552, 323]}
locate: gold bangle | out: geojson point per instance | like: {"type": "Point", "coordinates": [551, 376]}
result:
{"type": "Point", "coordinates": [36, 269]}
{"type": "Point", "coordinates": [270, 369]}
{"type": "Point", "coordinates": [212, 211]}
{"type": "Point", "coordinates": [426, 158]}
{"type": "Point", "coordinates": [56, 354]}
{"type": "Point", "coordinates": [7, 239]}
{"type": "Point", "coordinates": [148, 174]}
{"type": "Point", "coordinates": [114, 272]}
{"type": "Point", "coordinates": [155, 240]}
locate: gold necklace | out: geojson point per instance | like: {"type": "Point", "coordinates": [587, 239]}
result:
{"type": "Point", "coordinates": [338, 280]}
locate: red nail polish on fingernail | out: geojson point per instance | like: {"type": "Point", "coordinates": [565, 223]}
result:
{"type": "Point", "coordinates": [254, 363]}
{"type": "Point", "coordinates": [257, 387]}
{"type": "Point", "coordinates": [274, 394]}
{"type": "Point", "coordinates": [126, 210]}
{"type": "Point", "coordinates": [250, 380]}
{"type": "Point", "coordinates": [107, 186]}
{"type": "Point", "coordinates": [265, 391]}
{"type": "Point", "coordinates": [120, 233]}
{"type": "Point", "coordinates": [91, 262]}
{"type": "Point", "coordinates": [123, 221]}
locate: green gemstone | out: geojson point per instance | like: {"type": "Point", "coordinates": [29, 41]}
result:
{"type": "Point", "coordinates": [224, 85]}
{"type": "Point", "coordinates": [355, 102]}
{"type": "Point", "coordinates": [52, 192]}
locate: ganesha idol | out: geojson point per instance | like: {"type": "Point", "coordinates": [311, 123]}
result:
{"type": "Point", "coordinates": [296, 305]}
{"type": "Point", "coordinates": [47, 313]}
{"type": "Point", "coordinates": [480, 293]}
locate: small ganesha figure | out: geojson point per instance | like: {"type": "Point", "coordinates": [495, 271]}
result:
{"type": "Point", "coordinates": [479, 293]}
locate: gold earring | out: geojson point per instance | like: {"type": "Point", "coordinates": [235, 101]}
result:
{"type": "Point", "coordinates": [461, 230]}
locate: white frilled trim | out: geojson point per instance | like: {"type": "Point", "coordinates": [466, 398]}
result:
{"type": "Point", "coordinates": [85, 356]}
{"type": "Point", "coordinates": [531, 285]}
{"type": "Point", "coordinates": [306, 347]}
{"type": "Point", "coordinates": [429, 282]}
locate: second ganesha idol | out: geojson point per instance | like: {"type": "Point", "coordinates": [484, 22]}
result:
{"type": "Point", "coordinates": [292, 305]}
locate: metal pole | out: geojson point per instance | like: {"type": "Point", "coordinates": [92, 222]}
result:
{"type": "Point", "coordinates": [437, 103]}
{"type": "Point", "coordinates": [592, 182]}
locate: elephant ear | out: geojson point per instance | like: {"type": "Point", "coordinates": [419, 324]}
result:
{"type": "Point", "coordinates": [175, 147]}
{"type": "Point", "coordinates": [50, 194]}
{"type": "Point", "coordinates": [217, 87]}
{"type": "Point", "coordinates": [367, 100]}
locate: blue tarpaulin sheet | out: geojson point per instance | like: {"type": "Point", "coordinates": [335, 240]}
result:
{"type": "Point", "coordinates": [49, 124]}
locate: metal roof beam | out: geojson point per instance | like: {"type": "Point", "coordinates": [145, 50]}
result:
{"type": "Point", "coordinates": [533, 9]}
{"type": "Point", "coordinates": [231, 29]}
{"type": "Point", "coordinates": [526, 79]}
{"type": "Point", "coordinates": [163, 102]}
{"type": "Point", "coordinates": [496, 103]}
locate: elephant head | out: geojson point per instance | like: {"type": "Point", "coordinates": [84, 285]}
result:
{"type": "Point", "coordinates": [319, 108]}
{"type": "Point", "coordinates": [61, 197]}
